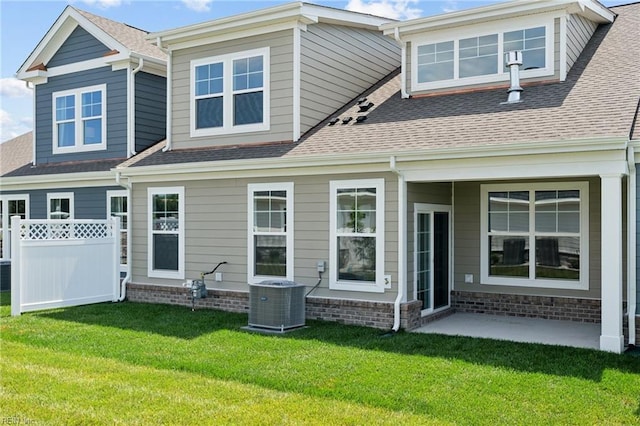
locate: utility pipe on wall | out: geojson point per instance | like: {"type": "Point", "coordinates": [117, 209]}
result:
{"type": "Point", "coordinates": [631, 246]}
{"type": "Point", "coordinates": [402, 244]}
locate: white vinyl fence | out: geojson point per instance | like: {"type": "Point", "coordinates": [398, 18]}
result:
{"type": "Point", "coordinates": [58, 263]}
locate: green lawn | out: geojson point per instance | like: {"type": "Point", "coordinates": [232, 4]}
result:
{"type": "Point", "coordinates": [132, 363]}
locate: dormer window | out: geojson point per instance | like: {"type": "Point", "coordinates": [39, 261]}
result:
{"type": "Point", "coordinates": [476, 55]}
{"type": "Point", "coordinates": [79, 120]}
{"type": "Point", "coordinates": [230, 93]}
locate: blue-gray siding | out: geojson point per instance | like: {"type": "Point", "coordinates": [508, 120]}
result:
{"type": "Point", "coordinates": [79, 46]}
{"type": "Point", "coordinates": [116, 82]}
{"type": "Point", "coordinates": [151, 109]}
{"type": "Point", "coordinates": [89, 203]}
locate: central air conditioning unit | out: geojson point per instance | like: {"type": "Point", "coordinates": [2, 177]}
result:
{"type": "Point", "coordinates": [276, 305]}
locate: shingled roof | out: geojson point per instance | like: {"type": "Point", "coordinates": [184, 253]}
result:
{"type": "Point", "coordinates": [16, 153]}
{"type": "Point", "coordinates": [599, 99]}
{"type": "Point", "coordinates": [132, 38]}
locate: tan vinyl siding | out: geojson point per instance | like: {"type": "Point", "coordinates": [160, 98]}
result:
{"type": "Point", "coordinates": [425, 193]}
{"type": "Point", "coordinates": [338, 63]}
{"type": "Point", "coordinates": [467, 240]}
{"type": "Point", "coordinates": [281, 70]}
{"type": "Point", "coordinates": [216, 230]}
{"type": "Point", "coordinates": [579, 32]}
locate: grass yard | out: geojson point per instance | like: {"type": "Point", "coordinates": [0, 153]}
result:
{"type": "Point", "coordinates": [132, 363]}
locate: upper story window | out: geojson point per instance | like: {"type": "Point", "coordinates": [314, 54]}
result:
{"type": "Point", "coordinates": [79, 120]}
{"type": "Point", "coordinates": [467, 58]}
{"type": "Point", "coordinates": [230, 93]}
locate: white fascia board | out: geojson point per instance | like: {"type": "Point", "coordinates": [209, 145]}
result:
{"type": "Point", "coordinates": [377, 161]}
{"type": "Point", "coordinates": [499, 11]}
{"type": "Point", "coordinates": [344, 17]}
{"type": "Point", "coordinates": [59, 181]}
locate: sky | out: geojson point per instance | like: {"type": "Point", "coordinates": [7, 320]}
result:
{"type": "Point", "coordinates": [23, 23]}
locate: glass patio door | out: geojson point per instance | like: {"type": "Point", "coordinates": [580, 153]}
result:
{"type": "Point", "coordinates": [432, 259]}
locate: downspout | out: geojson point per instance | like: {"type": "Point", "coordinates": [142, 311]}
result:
{"type": "Point", "coordinates": [631, 246]}
{"type": "Point", "coordinates": [127, 278]}
{"type": "Point", "coordinates": [132, 109]}
{"type": "Point", "coordinates": [403, 64]}
{"type": "Point", "coordinates": [169, 96]}
{"type": "Point", "coordinates": [402, 244]}
{"type": "Point", "coordinates": [33, 111]}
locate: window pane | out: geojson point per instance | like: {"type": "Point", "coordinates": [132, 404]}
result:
{"type": "Point", "coordinates": [65, 108]}
{"type": "Point", "coordinates": [92, 131]}
{"type": "Point", "coordinates": [209, 79]}
{"type": "Point", "coordinates": [165, 252]}
{"type": "Point", "coordinates": [59, 208]}
{"type": "Point", "coordinates": [270, 255]}
{"type": "Point", "coordinates": [66, 134]}
{"type": "Point", "coordinates": [248, 73]}
{"type": "Point", "coordinates": [478, 56]}
{"type": "Point", "coordinates": [532, 43]}
{"type": "Point", "coordinates": [509, 256]}
{"type": "Point", "coordinates": [558, 211]}
{"type": "Point", "coordinates": [509, 211]}
{"type": "Point", "coordinates": [558, 258]}
{"type": "Point", "coordinates": [357, 259]}
{"type": "Point", "coordinates": [435, 62]}
{"type": "Point", "coordinates": [91, 104]}
{"type": "Point", "coordinates": [209, 113]}
{"type": "Point", "coordinates": [247, 108]}
{"type": "Point", "coordinates": [165, 212]}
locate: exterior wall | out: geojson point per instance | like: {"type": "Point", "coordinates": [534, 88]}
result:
{"type": "Point", "coordinates": [638, 242]}
{"type": "Point", "coordinates": [555, 76]}
{"type": "Point", "coordinates": [467, 245]}
{"type": "Point", "coordinates": [216, 230]}
{"type": "Point", "coordinates": [337, 64]}
{"type": "Point", "coordinates": [150, 109]}
{"type": "Point", "coordinates": [116, 82]}
{"type": "Point", "coordinates": [89, 203]}
{"type": "Point", "coordinates": [427, 193]}
{"type": "Point", "coordinates": [79, 46]}
{"type": "Point", "coordinates": [579, 32]}
{"type": "Point", "coordinates": [281, 67]}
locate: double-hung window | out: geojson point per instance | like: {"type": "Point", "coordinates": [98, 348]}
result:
{"type": "Point", "coordinates": [357, 235]}
{"type": "Point", "coordinates": [535, 235]}
{"type": "Point", "coordinates": [117, 205]}
{"type": "Point", "coordinates": [79, 120]}
{"type": "Point", "coordinates": [60, 205]}
{"type": "Point", "coordinates": [166, 232]}
{"type": "Point", "coordinates": [454, 59]}
{"type": "Point", "coordinates": [270, 221]}
{"type": "Point", "coordinates": [230, 93]}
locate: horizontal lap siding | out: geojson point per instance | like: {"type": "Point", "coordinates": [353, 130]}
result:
{"type": "Point", "coordinates": [150, 110]}
{"type": "Point", "coordinates": [89, 203]}
{"type": "Point", "coordinates": [579, 31]}
{"type": "Point", "coordinates": [337, 64]}
{"type": "Point", "coordinates": [281, 67]}
{"type": "Point", "coordinates": [79, 46]}
{"type": "Point", "coordinates": [116, 82]}
{"type": "Point", "coordinates": [467, 240]}
{"type": "Point", "coordinates": [216, 230]}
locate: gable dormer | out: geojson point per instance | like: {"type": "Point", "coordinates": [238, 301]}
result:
{"type": "Point", "coordinates": [99, 90]}
{"type": "Point", "coordinates": [270, 75]}
{"type": "Point", "coordinates": [466, 49]}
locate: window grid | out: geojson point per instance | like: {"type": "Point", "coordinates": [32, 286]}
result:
{"type": "Point", "coordinates": [79, 120]}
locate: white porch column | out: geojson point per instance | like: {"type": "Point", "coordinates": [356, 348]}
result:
{"type": "Point", "coordinates": [611, 338]}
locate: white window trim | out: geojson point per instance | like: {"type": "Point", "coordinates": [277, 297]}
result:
{"type": "Point", "coordinates": [456, 35]}
{"type": "Point", "coordinates": [485, 278]}
{"type": "Point", "coordinates": [281, 186]}
{"type": "Point", "coordinates": [160, 273]}
{"type": "Point", "coordinates": [61, 195]}
{"type": "Point", "coordinates": [6, 221]}
{"type": "Point", "coordinates": [227, 94]}
{"type": "Point", "coordinates": [363, 286]}
{"type": "Point", "coordinates": [79, 146]}
{"type": "Point", "coordinates": [123, 194]}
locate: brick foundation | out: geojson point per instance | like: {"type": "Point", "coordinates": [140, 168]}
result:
{"type": "Point", "coordinates": [555, 308]}
{"type": "Point", "coordinates": [352, 312]}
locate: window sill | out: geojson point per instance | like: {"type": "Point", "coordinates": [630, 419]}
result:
{"type": "Point", "coordinates": [84, 148]}
{"type": "Point", "coordinates": [527, 282]}
{"type": "Point", "coordinates": [361, 286]}
{"type": "Point", "coordinates": [222, 131]}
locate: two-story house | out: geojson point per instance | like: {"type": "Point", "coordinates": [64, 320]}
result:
{"type": "Point", "coordinates": [493, 172]}
{"type": "Point", "coordinates": [99, 91]}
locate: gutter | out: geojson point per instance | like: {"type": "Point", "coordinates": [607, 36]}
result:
{"type": "Point", "coordinates": [631, 246]}
{"type": "Point", "coordinates": [403, 64]}
{"type": "Point", "coordinates": [402, 244]}
{"type": "Point", "coordinates": [131, 105]}
{"type": "Point", "coordinates": [127, 278]}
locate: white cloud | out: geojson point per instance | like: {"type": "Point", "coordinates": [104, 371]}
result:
{"type": "Point", "coordinates": [103, 4]}
{"type": "Point", "coordinates": [14, 88]}
{"type": "Point", "coordinates": [394, 9]}
{"type": "Point", "coordinates": [198, 5]}
{"type": "Point", "coordinates": [450, 6]}
{"type": "Point", "coordinates": [11, 127]}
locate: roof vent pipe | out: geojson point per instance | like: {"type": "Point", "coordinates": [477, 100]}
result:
{"type": "Point", "coordinates": [514, 60]}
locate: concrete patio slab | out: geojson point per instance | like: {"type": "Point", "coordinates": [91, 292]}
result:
{"type": "Point", "coordinates": [516, 329]}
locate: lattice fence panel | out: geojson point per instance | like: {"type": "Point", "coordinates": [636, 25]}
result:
{"type": "Point", "coordinates": [61, 230]}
